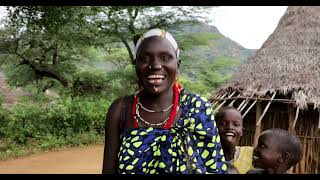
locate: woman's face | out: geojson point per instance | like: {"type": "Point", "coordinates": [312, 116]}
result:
{"type": "Point", "coordinates": [156, 64]}
{"type": "Point", "coordinates": [230, 128]}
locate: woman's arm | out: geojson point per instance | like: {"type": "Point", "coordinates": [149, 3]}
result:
{"type": "Point", "coordinates": [112, 138]}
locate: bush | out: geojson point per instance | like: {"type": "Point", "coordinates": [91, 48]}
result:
{"type": "Point", "coordinates": [64, 117]}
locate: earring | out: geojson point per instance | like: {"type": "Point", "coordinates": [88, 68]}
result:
{"type": "Point", "coordinates": [149, 66]}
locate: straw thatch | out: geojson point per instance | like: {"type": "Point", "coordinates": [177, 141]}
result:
{"type": "Point", "coordinates": [279, 87]}
{"type": "Point", "coordinates": [288, 62]}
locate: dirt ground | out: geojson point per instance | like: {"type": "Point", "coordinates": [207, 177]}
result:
{"type": "Point", "coordinates": [84, 160]}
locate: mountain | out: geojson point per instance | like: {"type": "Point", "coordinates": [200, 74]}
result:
{"type": "Point", "coordinates": [200, 55]}
{"type": "Point", "coordinates": [218, 47]}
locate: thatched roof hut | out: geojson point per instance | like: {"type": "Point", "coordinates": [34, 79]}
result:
{"type": "Point", "coordinates": [280, 85]}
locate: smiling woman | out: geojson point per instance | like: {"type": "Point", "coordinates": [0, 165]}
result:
{"type": "Point", "coordinates": [162, 128]}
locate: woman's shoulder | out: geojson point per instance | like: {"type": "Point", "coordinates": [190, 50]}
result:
{"type": "Point", "coordinates": [120, 101]}
{"type": "Point", "coordinates": [118, 104]}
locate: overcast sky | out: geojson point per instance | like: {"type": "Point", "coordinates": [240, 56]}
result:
{"type": "Point", "coordinates": [249, 26]}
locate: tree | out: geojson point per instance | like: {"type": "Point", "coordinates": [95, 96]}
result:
{"type": "Point", "coordinates": [45, 41]}
{"type": "Point", "coordinates": [49, 42]}
{"type": "Point", "coordinates": [126, 24]}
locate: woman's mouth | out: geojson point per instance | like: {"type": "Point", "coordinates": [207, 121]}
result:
{"type": "Point", "coordinates": [155, 79]}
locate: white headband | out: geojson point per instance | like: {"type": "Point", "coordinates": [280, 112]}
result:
{"type": "Point", "coordinates": [160, 33]}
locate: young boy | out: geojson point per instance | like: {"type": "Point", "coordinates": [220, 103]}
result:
{"type": "Point", "coordinates": [229, 123]}
{"type": "Point", "coordinates": [276, 152]}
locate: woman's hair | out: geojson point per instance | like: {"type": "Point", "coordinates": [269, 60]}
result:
{"type": "Point", "coordinates": [289, 143]}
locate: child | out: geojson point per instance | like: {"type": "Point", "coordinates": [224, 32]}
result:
{"type": "Point", "coordinates": [229, 122]}
{"type": "Point", "coordinates": [276, 152]}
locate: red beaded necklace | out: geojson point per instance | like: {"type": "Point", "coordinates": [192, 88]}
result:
{"type": "Point", "coordinates": [176, 89]}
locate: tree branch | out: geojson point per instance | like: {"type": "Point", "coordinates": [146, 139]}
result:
{"type": "Point", "coordinates": [42, 71]}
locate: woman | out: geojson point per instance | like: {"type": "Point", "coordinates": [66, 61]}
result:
{"type": "Point", "coordinates": [161, 128]}
{"type": "Point", "coordinates": [230, 127]}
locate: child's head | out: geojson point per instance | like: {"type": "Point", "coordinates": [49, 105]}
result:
{"type": "Point", "coordinates": [278, 150]}
{"type": "Point", "coordinates": [229, 122]}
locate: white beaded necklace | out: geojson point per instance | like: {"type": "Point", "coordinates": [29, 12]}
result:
{"type": "Point", "coordinates": [146, 122]}
{"type": "Point", "coordinates": [152, 111]}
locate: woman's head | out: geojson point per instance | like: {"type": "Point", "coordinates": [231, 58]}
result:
{"type": "Point", "coordinates": [229, 121]}
{"type": "Point", "coordinates": [157, 61]}
{"type": "Point", "coordinates": [277, 149]}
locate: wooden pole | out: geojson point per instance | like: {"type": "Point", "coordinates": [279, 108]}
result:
{"type": "Point", "coordinates": [241, 104]}
{"type": "Point", "coordinates": [215, 103]}
{"type": "Point", "coordinates": [295, 119]}
{"type": "Point", "coordinates": [266, 109]}
{"type": "Point", "coordinates": [249, 109]}
{"type": "Point", "coordinates": [319, 120]}
{"type": "Point", "coordinates": [220, 105]}
{"type": "Point", "coordinates": [291, 122]}
{"type": "Point", "coordinates": [244, 106]}
{"type": "Point", "coordinates": [231, 103]}
{"type": "Point", "coordinates": [258, 128]}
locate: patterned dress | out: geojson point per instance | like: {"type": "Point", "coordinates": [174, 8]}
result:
{"type": "Point", "coordinates": [192, 145]}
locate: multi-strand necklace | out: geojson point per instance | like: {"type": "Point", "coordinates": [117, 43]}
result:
{"type": "Point", "coordinates": [152, 111]}
{"type": "Point", "coordinates": [166, 124]}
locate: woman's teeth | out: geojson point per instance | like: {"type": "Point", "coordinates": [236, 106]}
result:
{"type": "Point", "coordinates": [155, 78]}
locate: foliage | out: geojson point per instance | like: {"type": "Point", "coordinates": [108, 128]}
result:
{"type": "Point", "coordinates": [126, 24]}
{"type": "Point", "coordinates": [210, 76]}
{"type": "Point", "coordinates": [44, 41]}
{"type": "Point", "coordinates": [62, 117]}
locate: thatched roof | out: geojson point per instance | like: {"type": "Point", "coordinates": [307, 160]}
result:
{"type": "Point", "coordinates": [287, 63]}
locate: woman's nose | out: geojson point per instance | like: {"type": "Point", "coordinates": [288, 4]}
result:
{"type": "Point", "coordinates": [155, 65]}
{"type": "Point", "coordinates": [159, 66]}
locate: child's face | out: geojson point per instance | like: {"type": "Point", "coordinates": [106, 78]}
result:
{"type": "Point", "coordinates": [230, 128]}
{"type": "Point", "coordinates": [267, 155]}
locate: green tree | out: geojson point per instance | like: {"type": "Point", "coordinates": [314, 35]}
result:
{"type": "Point", "coordinates": [127, 24]}
{"type": "Point", "coordinates": [44, 42]}
{"type": "Point", "coordinates": [52, 42]}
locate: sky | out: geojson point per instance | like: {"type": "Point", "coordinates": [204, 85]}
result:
{"type": "Point", "coordinates": [249, 26]}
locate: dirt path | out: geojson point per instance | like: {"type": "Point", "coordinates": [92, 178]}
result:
{"type": "Point", "coordinates": [84, 160]}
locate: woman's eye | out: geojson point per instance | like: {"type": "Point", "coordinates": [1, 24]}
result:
{"type": "Point", "coordinates": [165, 58]}
{"type": "Point", "coordinates": [144, 59]}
